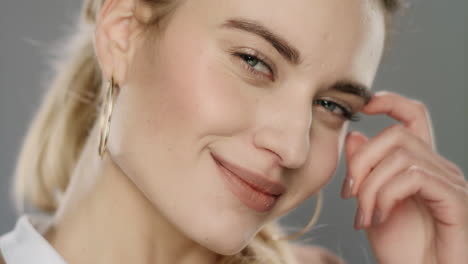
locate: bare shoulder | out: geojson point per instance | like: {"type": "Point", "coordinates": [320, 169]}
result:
{"type": "Point", "coordinates": [1, 259]}
{"type": "Point", "coordinates": [313, 254]}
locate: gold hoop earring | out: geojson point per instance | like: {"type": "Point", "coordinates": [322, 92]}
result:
{"type": "Point", "coordinates": [105, 118]}
{"type": "Point", "coordinates": [312, 221]}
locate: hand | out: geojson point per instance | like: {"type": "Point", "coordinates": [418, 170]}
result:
{"type": "Point", "coordinates": [413, 203]}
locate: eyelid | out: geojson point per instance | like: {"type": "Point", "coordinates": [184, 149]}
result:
{"type": "Point", "coordinates": [269, 63]}
{"type": "Point", "coordinates": [348, 113]}
{"type": "Point", "coordinates": [347, 106]}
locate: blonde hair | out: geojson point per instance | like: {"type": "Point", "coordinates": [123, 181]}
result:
{"type": "Point", "coordinates": [68, 112]}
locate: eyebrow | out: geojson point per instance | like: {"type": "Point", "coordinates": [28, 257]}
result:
{"type": "Point", "coordinates": [354, 88]}
{"type": "Point", "coordinates": [290, 53]}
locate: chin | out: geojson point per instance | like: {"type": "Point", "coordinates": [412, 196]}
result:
{"type": "Point", "coordinates": [229, 243]}
{"type": "Point", "coordinates": [223, 236]}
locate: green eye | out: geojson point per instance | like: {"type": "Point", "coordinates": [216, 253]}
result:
{"type": "Point", "coordinates": [337, 109]}
{"type": "Point", "coordinates": [252, 61]}
{"type": "Point", "coordinates": [256, 65]}
{"type": "Point", "coordinates": [328, 105]}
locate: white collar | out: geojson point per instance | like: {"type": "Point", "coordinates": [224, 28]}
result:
{"type": "Point", "coordinates": [25, 243]}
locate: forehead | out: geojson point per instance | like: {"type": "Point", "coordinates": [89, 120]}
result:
{"type": "Point", "coordinates": [339, 36]}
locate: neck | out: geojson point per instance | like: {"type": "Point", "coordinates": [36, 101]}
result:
{"type": "Point", "coordinates": [104, 218]}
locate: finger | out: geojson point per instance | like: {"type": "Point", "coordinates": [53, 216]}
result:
{"type": "Point", "coordinates": [454, 168]}
{"type": "Point", "coordinates": [445, 200]}
{"type": "Point", "coordinates": [413, 114]}
{"type": "Point", "coordinates": [394, 137]}
{"type": "Point", "coordinates": [369, 154]}
{"type": "Point", "coordinates": [354, 140]}
{"type": "Point", "coordinates": [392, 165]}
{"type": "Point", "coordinates": [364, 159]}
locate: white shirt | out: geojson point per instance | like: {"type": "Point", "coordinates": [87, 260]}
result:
{"type": "Point", "coordinates": [26, 245]}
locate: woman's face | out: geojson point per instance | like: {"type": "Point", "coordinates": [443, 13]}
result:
{"type": "Point", "coordinates": [263, 85]}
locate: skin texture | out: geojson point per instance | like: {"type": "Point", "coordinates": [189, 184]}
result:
{"type": "Point", "coordinates": [184, 94]}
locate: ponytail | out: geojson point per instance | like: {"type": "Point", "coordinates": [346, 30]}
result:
{"type": "Point", "coordinates": [60, 128]}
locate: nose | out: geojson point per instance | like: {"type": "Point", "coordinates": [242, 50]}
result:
{"type": "Point", "coordinates": [284, 129]}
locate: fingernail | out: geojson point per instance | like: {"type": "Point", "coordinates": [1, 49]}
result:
{"type": "Point", "coordinates": [359, 219]}
{"type": "Point", "coordinates": [347, 188]}
{"type": "Point", "coordinates": [380, 93]}
{"type": "Point", "coordinates": [376, 217]}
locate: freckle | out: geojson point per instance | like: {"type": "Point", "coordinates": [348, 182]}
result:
{"type": "Point", "coordinates": [170, 148]}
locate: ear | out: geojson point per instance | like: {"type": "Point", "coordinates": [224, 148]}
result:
{"type": "Point", "coordinates": [115, 25]}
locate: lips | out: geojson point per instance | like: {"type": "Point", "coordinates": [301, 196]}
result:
{"type": "Point", "coordinates": [257, 181]}
{"type": "Point", "coordinates": [253, 189]}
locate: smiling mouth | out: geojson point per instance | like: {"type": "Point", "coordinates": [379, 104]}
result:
{"type": "Point", "coordinates": [256, 193]}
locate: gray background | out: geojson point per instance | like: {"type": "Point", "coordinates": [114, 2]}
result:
{"type": "Point", "coordinates": [427, 61]}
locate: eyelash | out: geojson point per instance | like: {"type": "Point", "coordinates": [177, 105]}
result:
{"type": "Point", "coordinates": [348, 115]}
{"type": "Point", "coordinates": [258, 57]}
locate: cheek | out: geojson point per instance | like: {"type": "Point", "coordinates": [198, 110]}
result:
{"type": "Point", "coordinates": [196, 91]}
{"type": "Point", "coordinates": [183, 91]}
{"type": "Point", "coordinates": [173, 108]}
{"type": "Point", "coordinates": [322, 162]}
{"type": "Point", "coordinates": [172, 105]}
{"type": "Point", "coordinates": [325, 151]}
